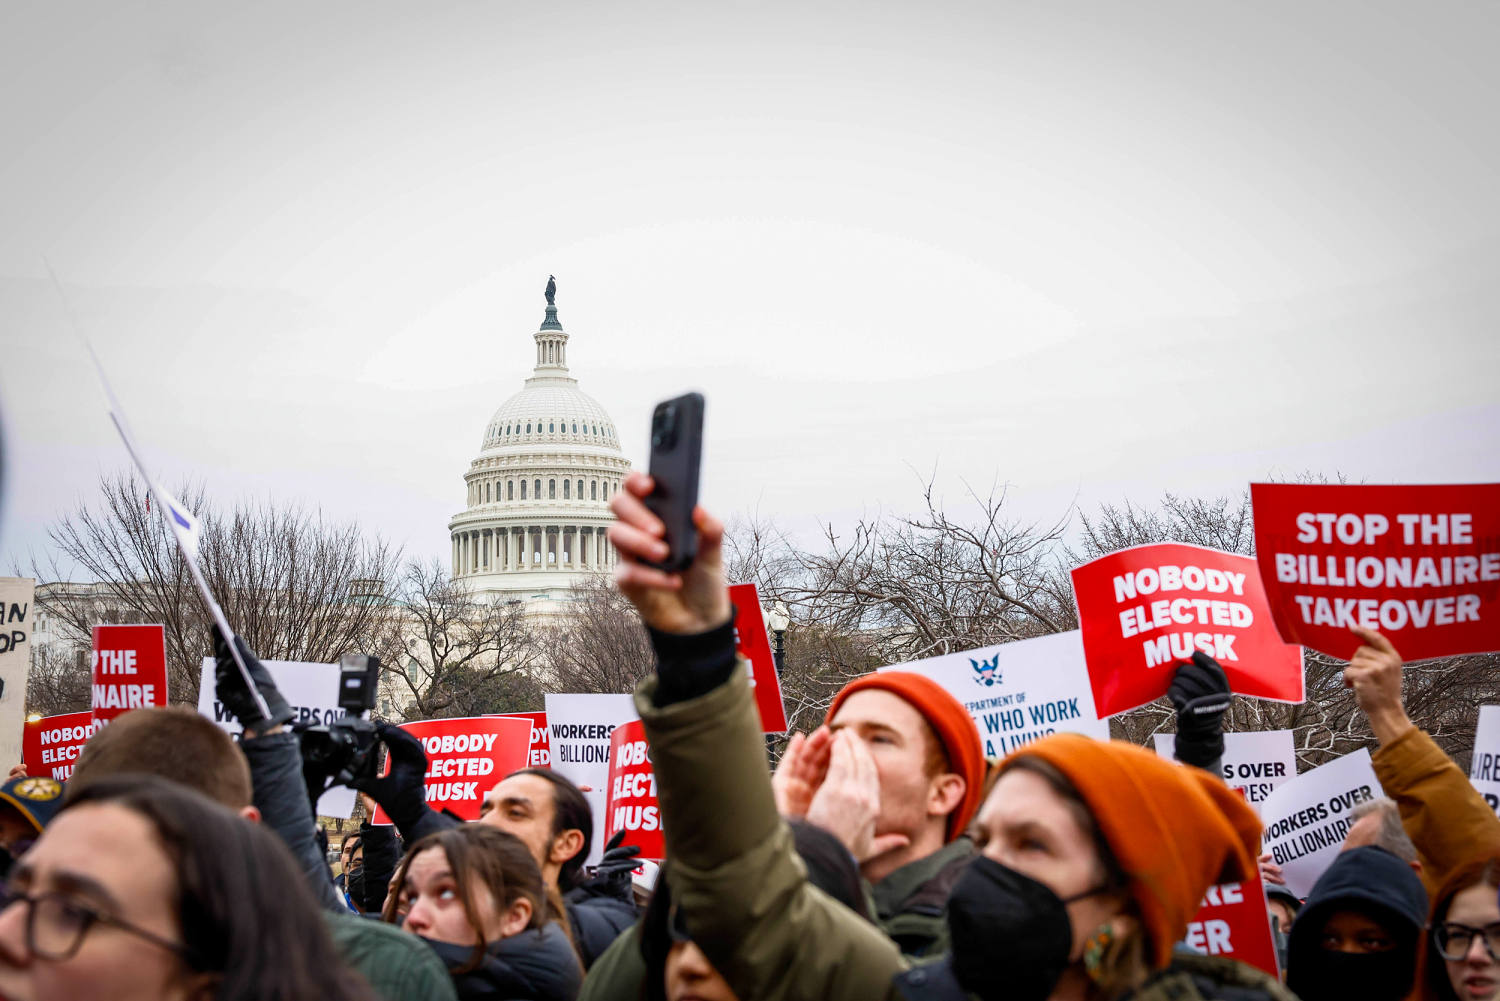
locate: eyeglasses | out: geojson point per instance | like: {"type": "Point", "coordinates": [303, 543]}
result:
{"type": "Point", "coordinates": [56, 924]}
{"type": "Point", "coordinates": [1454, 940]}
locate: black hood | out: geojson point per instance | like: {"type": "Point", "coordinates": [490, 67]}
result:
{"type": "Point", "coordinates": [536, 965]}
{"type": "Point", "coordinates": [1375, 882]}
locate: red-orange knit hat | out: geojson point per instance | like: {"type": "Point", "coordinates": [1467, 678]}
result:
{"type": "Point", "coordinates": [948, 718]}
{"type": "Point", "coordinates": [1174, 829]}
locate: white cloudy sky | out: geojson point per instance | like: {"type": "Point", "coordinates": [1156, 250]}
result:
{"type": "Point", "coordinates": [1091, 250]}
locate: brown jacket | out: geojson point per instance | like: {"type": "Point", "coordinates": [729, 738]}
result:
{"type": "Point", "coordinates": [1446, 817]}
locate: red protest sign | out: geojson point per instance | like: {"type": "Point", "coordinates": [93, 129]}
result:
{"type": "Point", "coordinates": [632, 805]}
{"type": "Point", "coordinates": [130, 669]}
{"type": "Point", "coordinates": [1420, 564]}
{"type": "Point", "coordinates": [1235, 922]}
{"type": "Point", "coordinates": [1146, 609]}
{"type": "Point", "coordinates": [754, 644]}
{"type": "Point", "coordinates": [540, 754]}
{"type": "Point", "coordinates": [465, 758]}
{"type": "Point", "coordinates": [50, 745]}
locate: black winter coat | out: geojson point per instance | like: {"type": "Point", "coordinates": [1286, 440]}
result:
{"type": "Point", "coordinates": [536, 965]}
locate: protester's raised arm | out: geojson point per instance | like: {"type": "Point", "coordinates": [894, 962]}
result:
{"type": "Point", "coordinates": [1374, 672]}
{"type": "Point", "coordinates": [1201, 695]}
{"type": "Point", "coordinates": [277, 788]}
{"type": "Point", "coordinates": [1445, 816]}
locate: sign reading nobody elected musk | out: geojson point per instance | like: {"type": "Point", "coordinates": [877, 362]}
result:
{"type": "Point", "coordinates": [1019, 691]}
{"type": "Point", "coordinates": [50, 745]}
{"type": "Point", "coordinates": [1146, 609]}
{"type": "Point", "coordinates": [312, 690]}
{"type": "Point", "coordinates": [130, 669]}
{"type": "Point", "coordinates": [1255, 762]}
{"type": "Point", "coordinates": [1484, 766]}
{"type": "Point", "coordinates": [1420, 564]}
{"type": "Point", "coordinates": [633, 807]}
{"type": "Point", "coordinates": [1308, 817]}
{"type": "Point", "coordinates": [466, 756]}
{"type": "Point", "coordinates": [539, 755]}
{"type": "Point", "coordinates": [579, 727]}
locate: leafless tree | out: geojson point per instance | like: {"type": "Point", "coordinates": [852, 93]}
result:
{"type": "Point", "coordinates": [597, 643]}
{"type": "Point", "coordinates": [56, 683]}
{"type": "Point", "coordinates": [292, 585]}
{"type": "Point", "coordinates": [934, 584]}
{"type": "Point", "coordinates": [449, 652]}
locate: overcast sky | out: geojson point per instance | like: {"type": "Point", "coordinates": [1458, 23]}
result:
{"type": "Point", "coordinates": [1093, 251]}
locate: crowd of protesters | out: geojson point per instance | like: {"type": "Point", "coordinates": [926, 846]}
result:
{"type": "Point", "coordinates": [886, 857]}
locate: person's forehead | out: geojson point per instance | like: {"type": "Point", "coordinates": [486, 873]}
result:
{"type": "Point", "coordinates": [1020, 796]}
{"type": "Point", "coordinates": [533, 788]}
{"type": "Point", "coordinates": [428, 864]}
{"type": "Point", "coordinates": [111, 845]}
{"type": "Point", "coordinates": [881, 708]}
{"type": "Point", "coordinates": [1475, 905]}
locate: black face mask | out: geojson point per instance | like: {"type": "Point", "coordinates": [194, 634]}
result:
{"type": "Point", "coordinates": [1011, 934]}
{"type": "Point", "coordinates": [1324, 975]}
{"type": "Point", "coordinates": [354, 885]}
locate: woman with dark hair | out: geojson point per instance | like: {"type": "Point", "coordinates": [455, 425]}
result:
{"type": "Point", "coordinates": [1461, 961]}
{"type": "Point", "coordinates": [475, 895]}
{"type": "Point", "coordinates": [141, 888]}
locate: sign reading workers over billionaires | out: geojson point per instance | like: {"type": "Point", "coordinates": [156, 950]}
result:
{"type": "Point", "coordinates": [1145, 609]}
{"type": "Point", "coordinates": [466, 756]}
{"type": "Point", "coordinates": [1420, 564]}
{"type": "Point", "coordinates": [1308, 817]}
{"type": "Point", "coordinates": [50, 745]}
{"type": "Point", "coordinates": [312, 691]}
{"type": "Point", "coordinates": [1484, 766]}
{"type": "Point", "coordinates": [579, 727]}
{"type": "Point", "coordinates": [1019, 691]}
{"type": "Point", "coordinates": [1255, 761]}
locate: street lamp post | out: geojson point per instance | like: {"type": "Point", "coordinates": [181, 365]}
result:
{"type": "Point", "coordinates": [777, 620]}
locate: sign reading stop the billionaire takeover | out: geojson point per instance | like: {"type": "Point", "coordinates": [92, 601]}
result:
{"type": "Point", "coordinates": [130, 669]}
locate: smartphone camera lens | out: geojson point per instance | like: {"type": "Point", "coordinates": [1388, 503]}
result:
{"type": "Point", "coordinates": [664, 428]}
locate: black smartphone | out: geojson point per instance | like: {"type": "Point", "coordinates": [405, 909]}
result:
{"type": "Point", "coordinates": [676, 453]}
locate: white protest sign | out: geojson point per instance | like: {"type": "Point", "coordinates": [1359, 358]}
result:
{"type": "Point", "coordinates": [312, 690]}
{"type": "Point", "coordinates": [1256, 761]}
{"type": "Point", "coordinates": [1484, 767]}
{"type": "Point", "coordinates": [1019, 691]}
{"type": "Point", "coordinates": [1307, 817]}
{"type": "Point", "coordinates": [17, 614]}
{"type": "Point", "coordinates": [579, 728]}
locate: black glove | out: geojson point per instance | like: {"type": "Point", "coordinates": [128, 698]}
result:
{"type": "Point", "coordinates": [1200, 693]}
{"type": "Point", "coordinates": [612, 875]}
{"type": "Point", "coordinates": [231, 690]}
{"type": "Point", "coordinates": [401, 792]}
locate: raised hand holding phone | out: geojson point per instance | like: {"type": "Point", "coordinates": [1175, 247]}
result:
{"type": "Point", "coordinates": [676, 456]}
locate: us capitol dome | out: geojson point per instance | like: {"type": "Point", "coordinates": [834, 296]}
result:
{"type": "Point", "coordinates": [538, 494]}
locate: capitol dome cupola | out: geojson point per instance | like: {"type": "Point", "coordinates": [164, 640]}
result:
{"type": "Point", "coordinates": [538, 494]}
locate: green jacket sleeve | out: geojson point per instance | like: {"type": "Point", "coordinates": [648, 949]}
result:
{"type": "Point", "coordinates": [735, 874]}
{"type": "Point", "coordinates": [1445, 816]}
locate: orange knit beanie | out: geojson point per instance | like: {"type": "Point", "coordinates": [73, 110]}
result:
{"type": "Point", "coordinates": [1174, 829]}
